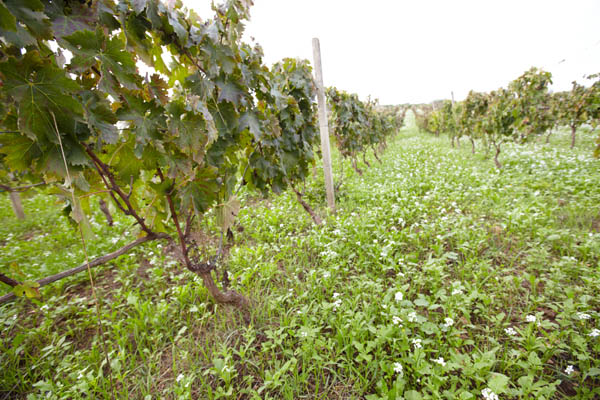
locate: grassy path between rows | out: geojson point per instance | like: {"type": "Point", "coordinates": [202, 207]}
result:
{"type": "Point", "coordinates": [439, 277]}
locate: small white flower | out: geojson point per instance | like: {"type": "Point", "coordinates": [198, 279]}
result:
{"type": "Point", "coordinates": [417, 343]}
{"type": "Point", "coordinates": [510, 331]}
{"type": "Point", "coordinates": [397, 320]}
{"type": "Point", "coordinates": [457, 291]}
{"type": "Point", "coordinates": [398, 296]}
{"type": "Point", "coordinates": [412, 317]}
{"type": "Point", "coordinates": [569, 370]}
{"type": "Point", "coordinates": [114, 240]}
{"type": "Point", "coordinates": [335, 295]}
{"type": "Point", "coordinates": [336, 304]}
{"type": "Point", "coordinates": [440, 361]}
{"type": "Point", "coordinates": [530, 318]}
{"type": "Point", "coordinates": [326, 274]}
{"type": "Point", "coordinates": [594, 333]}
{"type": "Point", "coordinates": [583, 316]}
{"type": "Point", "coordinates": [448, 322]}
{"type": "Point", "coordinates": [488, 394]}
{"type": "Point", "coordinates": [179, 378]}
{"type": "Point", "coordinates": [303, 334]}
{"type": "Point", "coordinates": [45, 307]}
{"type": "Point", "coordinates": [398, 368]}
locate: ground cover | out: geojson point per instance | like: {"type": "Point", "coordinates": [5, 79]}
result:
{"type": "Point", "coordinates": [439, 277]}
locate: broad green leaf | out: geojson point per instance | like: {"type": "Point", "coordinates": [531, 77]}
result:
{"type": "Point", "coordinates": [27, 289]}
{"type": "Point", "coordinates": [42, 90]}
{"type": "Point", "coordinates": [498, 383]}
{"type": "Point", "coordinates": [7, 20]}
{"type": "Point", "coordinates": [100, 117]}
{"type": "Point", "coordinates": [593, 372]}
{"type": "Point", "coordinates": [227, 213]}
{"type": "Point", "coordinates": [202, 192]}
{"type": "Point", "coordinates": [412, 395]}
{"type": "Point", "coordinates": [31, 14]}
{"type": "Point", "coordinates": [229, 91]}
{"type": "Point", "coordinates": [115, 62]}
{"type": "Point", "coordinates": [68, 18]}
{"type": "Point", "coordinates": [250, 121]}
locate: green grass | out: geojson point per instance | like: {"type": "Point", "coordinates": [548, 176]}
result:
{"type": "Point", "coordinates": [432, 254]}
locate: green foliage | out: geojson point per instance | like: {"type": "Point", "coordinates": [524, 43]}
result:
{"type": "Point", "coordinates": [530, 104]}
{"type": "Point", "coordinates": [455, 238]}
{"type": "Point", "coordinates": [283, 151]}
{"type": "Point", "coordinates": [357, 125]}
{"type": "Point", "coordinates": [187, 131]}
{"type": "Point", "coordinates": [520, 112]}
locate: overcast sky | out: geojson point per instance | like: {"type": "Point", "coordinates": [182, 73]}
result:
{"type": "Point", "coordinates": [418, 51]}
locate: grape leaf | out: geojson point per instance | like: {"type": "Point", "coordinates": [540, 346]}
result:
{"type": "Point", "coordinates": [68, 18]}
{"type": "Point", "coordinates": [30, 13]}
{"type": "Point", "coordinates": [250, 121]}
{"type": "Point", "coordinates": [202, 192]}
{"type": "Point", "coordinates": [41, 89]}
{"type": "Point", "coordinates": [229, 91]}
{"type": "Point", "coordinates": [116, 64]}
{"type": "Point", "coordinates": [227, 212]}
{"type": "Point", "coordinates": [7, 20]}
{"type": "Point", "coordinates": [100, 117]}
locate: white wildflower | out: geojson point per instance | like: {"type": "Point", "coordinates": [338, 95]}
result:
{"type": "Point", "coordinates": [457, 291]}
{"type": "Point", "coordinates": [397, 320]}
{"type": "Point", "coordinates": [510, 331]}
{"type": "Point", "coordinates": [336, 295]}
{"type": "Point", "coordinates": [303, 334]}
{"type": "Point", "coordinates": [398, 296]}
{"type": "Point", "coordinates": [569, 370]}
{"type": "Point", "coordinates": [417, 343]}
{"type": "Point", "coordinates": [448, 322]}
{"type": "Point", "coordinates": [179, 378]}
{"type": "Point", "coordinates": [398, 368]}
{"type": "Point", "coordinates": [530, 318]}
{"type": "Point", "coordinates": [412, 317]}
{"type": "Point", "coordinates": [336, 304]}
{"type": "Point", "coordinates": [440, 361]}
{"type": "Point", "coordinates": [594, 333]}
{"type": "Point", "coordinates": [583, 316]}
{"type": "Point", "coordinates": [488, 394]}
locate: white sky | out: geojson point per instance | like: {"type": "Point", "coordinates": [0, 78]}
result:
{"type": "Point", "coordinates": [421, 50]}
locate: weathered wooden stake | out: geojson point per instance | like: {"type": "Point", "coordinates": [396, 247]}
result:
{"type": "Point", "coordinates": [17, 206]}
{"type": "Point", "coordinates": [324, 127]}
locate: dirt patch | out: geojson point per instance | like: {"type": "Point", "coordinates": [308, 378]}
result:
{"type": "Point", "coordinates": [27, 236]}
{"type": "Point", "coordinates": [596, 224]}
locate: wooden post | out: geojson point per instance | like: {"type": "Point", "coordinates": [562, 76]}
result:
{"type": "Point", "coordinates": [17, 205]}
{"type": "Point", "coordinates": [324, 127]}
